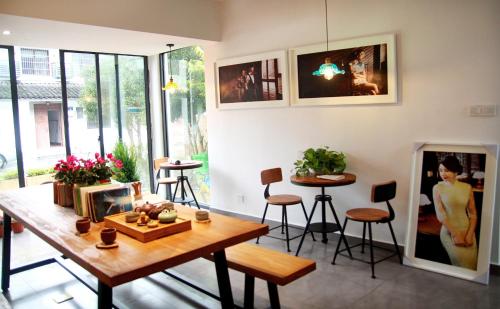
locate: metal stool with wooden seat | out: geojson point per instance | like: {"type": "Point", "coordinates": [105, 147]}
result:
{"type": "Point", "coordinates": [271, 176]}
{"type": "Point", "coordinates": [162, 180]}
{"type": "Point", "coordinates": [380, 193]}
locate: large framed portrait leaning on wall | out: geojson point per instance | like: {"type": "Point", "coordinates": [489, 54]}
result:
{"type": "Point", "coordinates": [451, 209]}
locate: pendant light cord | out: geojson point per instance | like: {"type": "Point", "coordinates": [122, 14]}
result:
{"type": "Point", "coordinates": [326, 19]}
{"type": "Point", "coordinates": [170, 62]}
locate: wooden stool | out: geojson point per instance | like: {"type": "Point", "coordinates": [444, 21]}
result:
{"type": "Point", "coordinates": [162, 180]}
{"type": "Point", "coordinates": [380, 193]}
{"type": "Point", "coordinates": [274, 175]}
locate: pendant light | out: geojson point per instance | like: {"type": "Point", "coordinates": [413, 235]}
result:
{"type": "Point", "coordinates": [328, 69]}
{"type": "Point", "coordinates": [171, 86]}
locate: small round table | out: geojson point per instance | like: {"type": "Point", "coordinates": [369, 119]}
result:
{"type": "Point", "coordinates": [323, 227]}
{"type": "Point", "coordinates": [184, 165]}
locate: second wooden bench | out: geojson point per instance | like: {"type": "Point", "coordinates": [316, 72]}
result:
{"type": "Point", "coordinates": [275, 267]}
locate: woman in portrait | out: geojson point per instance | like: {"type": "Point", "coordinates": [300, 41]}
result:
{"type": "Point", "coordinates": [359, 74]}
{"type": "Point", "coordinates": [242, 85]}
{"type": "Point", "coordinates": [456, 210]}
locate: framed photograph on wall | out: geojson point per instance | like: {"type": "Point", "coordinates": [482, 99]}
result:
{"type": "Point", "coordinates": [451, 209]}
{"type": "Point", "coordinates": [355, 71]}
{"type": "Point", "coordinates": [255, 81]}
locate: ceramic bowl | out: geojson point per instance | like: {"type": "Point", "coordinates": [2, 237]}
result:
{"type": "Point", "coordinates": [83, 225]}
{"type": "Point", "coordinates": [108, 235]}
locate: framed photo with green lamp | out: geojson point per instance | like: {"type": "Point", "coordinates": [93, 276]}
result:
{"type": "Point", "coordinates": [354, 71]}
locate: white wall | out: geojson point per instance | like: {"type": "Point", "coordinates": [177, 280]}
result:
{"type": "Point", "coordinates": [446, 54]}
{"type": "Point", "coordinates": [172, 17]}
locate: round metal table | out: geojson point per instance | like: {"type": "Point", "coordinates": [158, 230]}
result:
{"type": "Point", "coordinates": [186, 165]}
{"type": "Point", "coordinates": [323, 227]}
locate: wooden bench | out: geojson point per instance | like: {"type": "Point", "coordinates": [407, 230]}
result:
{"type": "Point", "coordinates": [275, 267]}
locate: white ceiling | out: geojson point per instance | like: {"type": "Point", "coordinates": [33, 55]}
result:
{"type": "Point", "coordinates": [33, 32]}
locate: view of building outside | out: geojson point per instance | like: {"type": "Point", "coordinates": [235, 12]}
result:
{"type": "Point", "coordinates": [186, 112]}
{"type": "Point", "coordinates": [41, 113]}
{"type": "Point", "coordinates": [8, 162]}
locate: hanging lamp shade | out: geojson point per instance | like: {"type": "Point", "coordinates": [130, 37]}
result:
{"type": "Point", "coordinates": [171, 86]}
{"type": "Point", "coordinates": [327, 69]}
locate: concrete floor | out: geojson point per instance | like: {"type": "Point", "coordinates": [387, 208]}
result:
{"type": "Point", "coordinates": [347, 284]}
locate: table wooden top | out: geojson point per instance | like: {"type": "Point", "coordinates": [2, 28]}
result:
{"type": "Point", "coordinates": [313, 181]}
{"type": "Point", "coordinates": [33, 206]}
{"type": "Point", "coordinates": [183, 166]}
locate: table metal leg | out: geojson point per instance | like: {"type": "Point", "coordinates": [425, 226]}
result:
{"type": "Point", "coordinates": [104, 296]}
{"type": "Point", "coordinates": [226, 295]}
{"type": "Point", "coordinates": [342, 236]}
{"type": "Point", "coordinates": [306, 228]}
{"type": "Point", "coordinates": [183, 190]}
{"type": "Point", "coordinates": [175, 190]}
{"type": "Point", "coordinates": [323, 221]}
{"type": "Point", "coordinates": [192, 193]}
{"type": "Point", "coordinates": [249, 291]}
{"type": "Point", "coordinates": [6, 252]}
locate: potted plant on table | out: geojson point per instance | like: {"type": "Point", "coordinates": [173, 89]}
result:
{"type": "Point", "coordinates": [128, 171]}
{"type": "Point", "coordinates": [320, 161]}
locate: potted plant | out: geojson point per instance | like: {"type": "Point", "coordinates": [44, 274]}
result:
{"type": "Point", "coordinates": [128, 158]}
{"type": "Point", "coordinates": [320, 161]}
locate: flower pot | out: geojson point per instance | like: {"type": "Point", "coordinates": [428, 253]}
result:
{"type": "Point", "coordinates": [55, 190]}
{"type": "Point", "coordinates": [17, 227]}
{"type": "Point", "coordinates": [65, 194]}
{"type": "Point", "coordinates": [103, 181]}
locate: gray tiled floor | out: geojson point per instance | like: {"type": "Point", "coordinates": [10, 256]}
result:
{"type": "Point", "coordinates": [347, 284]}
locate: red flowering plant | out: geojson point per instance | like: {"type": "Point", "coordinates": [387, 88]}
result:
{"type": "Point", "coordinates": [67, 171]}
{"type": "Point", "coordinates": [103, 167]}
{"type": "Point", "coordinates": [86, 172]}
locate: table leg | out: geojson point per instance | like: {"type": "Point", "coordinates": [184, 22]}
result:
{"type": "Point", "coordinates": [104, 296]}
{"type": "Point", "coordinates": [183, 190]}
{"type": "Point", "coordinates": [323, 220]}
{"type": "Point", "coordinates": [342, 236]}
{"type": "Point", "coordinates": [6, 252]}
{"type": "Point", "coordinates": [306, 228]}
{"type": "Point", "coordinates": [226, 295]}
{"type": "Point", "coordinates": [192, 193]}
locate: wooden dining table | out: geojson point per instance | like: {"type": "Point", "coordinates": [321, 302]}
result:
{"type": "Point", "coordinates": [132, 259]}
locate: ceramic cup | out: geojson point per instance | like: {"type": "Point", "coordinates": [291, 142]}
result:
{"type": "Point", "coordinates": [108, 235]}
{"type": "Point", "coordinates": [83, 225]}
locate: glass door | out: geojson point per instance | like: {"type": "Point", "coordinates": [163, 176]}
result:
{"type": "Point", "coordinates": [186, 116]}
{"type": "Point", "coordinates": [9, 172]}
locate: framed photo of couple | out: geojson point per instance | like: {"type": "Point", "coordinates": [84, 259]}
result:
{"type": "Point", "coordinates": [451, 209]}
{"type": "Point", "coordinates": [254, 81]}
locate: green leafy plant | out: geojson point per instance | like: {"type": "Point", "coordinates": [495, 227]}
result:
{"type": "Point", "coordinates": [10, 174]}
{"type": "Point", "coordinates": [40, 171]}
{"type": "Point", "coordinates": [321, 161]}
{"type": "Point", "coordinates": [128, 158]}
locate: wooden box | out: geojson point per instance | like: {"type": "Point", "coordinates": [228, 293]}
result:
{"type": "Point", "coordinates": [144, 233]}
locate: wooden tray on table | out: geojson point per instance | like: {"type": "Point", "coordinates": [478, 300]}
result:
{"type": "Point", "coordinates": [144, 233]}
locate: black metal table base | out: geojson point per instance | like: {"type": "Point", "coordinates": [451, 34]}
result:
{"type": "Point", "coordinates": [323, 227]}
{"type": "Point", "coordinates": [184, 199]}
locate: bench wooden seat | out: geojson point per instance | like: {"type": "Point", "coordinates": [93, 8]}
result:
{"type": "Point", "coordinates": [277, 268]}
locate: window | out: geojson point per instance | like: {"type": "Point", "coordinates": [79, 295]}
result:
{"type": "Point", "coordinates": [35, 61]}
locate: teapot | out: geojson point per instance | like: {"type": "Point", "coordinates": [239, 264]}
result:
{"type": "Point", "coordinates": [167, 216]}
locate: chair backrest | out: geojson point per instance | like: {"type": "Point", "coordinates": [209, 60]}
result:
{"type": "Point", "coordinates": [271, 175]}
{"type": "Point", "coordinates": [383, 192]}
{"type": "Point", "coordinates": [158, 161]}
